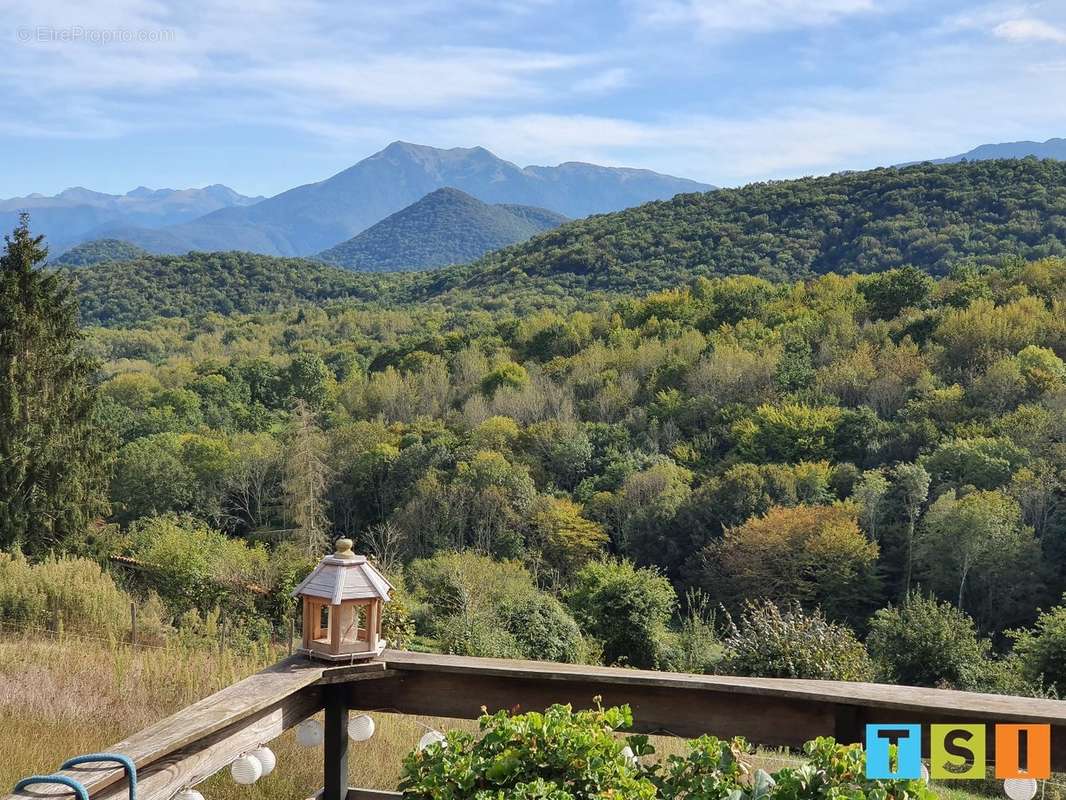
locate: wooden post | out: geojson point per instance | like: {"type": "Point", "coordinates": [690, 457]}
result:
{"type": "Point", "coordinates": [292, 633]}
{"type": "Point", "coordinates": [133, 624]}
{"type": "Point", "coordinates": [335, 761]}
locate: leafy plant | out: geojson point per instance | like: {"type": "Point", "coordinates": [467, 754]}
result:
{"type": "Point", "coordinates": [566, 755]}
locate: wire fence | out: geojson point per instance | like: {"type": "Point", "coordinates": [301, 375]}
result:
{"type": "Point", "coordinates": [281, 641]}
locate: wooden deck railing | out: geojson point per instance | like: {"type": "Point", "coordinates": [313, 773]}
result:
{"type": "Point", "coordinates": [189, 746]}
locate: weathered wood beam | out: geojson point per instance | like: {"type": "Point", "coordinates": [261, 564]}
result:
{"type": "Point", "coordinates": [162, 779]}
{"type": "Point", "coordinates": [775, 712]}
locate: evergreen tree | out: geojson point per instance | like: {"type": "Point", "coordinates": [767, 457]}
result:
{"type": "Point", "coordinates": [53, 458]}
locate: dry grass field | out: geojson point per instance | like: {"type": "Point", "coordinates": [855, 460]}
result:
{"type": "Point", "coordinates": [63, 697]}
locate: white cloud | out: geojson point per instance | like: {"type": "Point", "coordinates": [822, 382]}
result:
{"type": "Point", "coordinates": [751, 16]}
{"type": "Point", "coordinates": [1029, 30]}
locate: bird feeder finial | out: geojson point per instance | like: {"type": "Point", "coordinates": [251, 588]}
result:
{"type": "Point", "coordinates": [343, 550]}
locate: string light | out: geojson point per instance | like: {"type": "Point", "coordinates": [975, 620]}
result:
{"type": "Point", "coordinates": [309, 733]}
{"type": "Point", "coordinates": [246, 770]}
{"type": "Point", "coordinates": [1020, 788]}
{"type": "Point", "coordinates": [361, 728]}
{"type": "Point", "coordinates": [266, 758]}
{"type": "Point", "coordinates": [430, 738]}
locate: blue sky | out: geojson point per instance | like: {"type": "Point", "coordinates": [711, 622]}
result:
{"type": "Point", "coordinates": [263, 95]}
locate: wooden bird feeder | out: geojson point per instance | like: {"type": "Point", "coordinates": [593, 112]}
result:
{"type": "Point", "coordinates": [342, 602]}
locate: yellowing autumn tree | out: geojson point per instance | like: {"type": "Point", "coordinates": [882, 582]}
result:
{"type": "Point", "coordinates": [813, 555]}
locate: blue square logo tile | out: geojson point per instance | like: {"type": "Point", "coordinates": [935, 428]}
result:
{"type": "Point", "coordinates": [893, 752]}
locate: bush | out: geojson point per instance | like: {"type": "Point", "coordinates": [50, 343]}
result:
{"type": "Point", "coordinates": [1041, 650]}
{"type": "Point", "coordinates": [475, 606]}
{"type": "Point", "coordinates": [194, 566]}
{"type": "Point", "coordinates": [565, 755]}
{"type": "Point", "coordinates": [695, 647]}
{"type": "Point", "coordinates": [543, 628]}
{"type": "Point", "coordinates": [926, 642]}
{"type": "Point", "coordinates": [624, 608]}
{"type": "Point", "coordinates": [555, 755]}
{"type": "Point", "coordinates": [74, 595]}
{"type": "Point", "coordinates": [769, 642]}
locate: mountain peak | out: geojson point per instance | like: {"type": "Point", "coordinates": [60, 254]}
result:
{"type": "Point", "coordinates": [446, 226]}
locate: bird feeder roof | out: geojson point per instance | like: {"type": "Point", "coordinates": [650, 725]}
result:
{"type": "Point", "coordinates": [344, 576]}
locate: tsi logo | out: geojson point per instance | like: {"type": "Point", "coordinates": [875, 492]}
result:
{"type": "Point", "coordinates": [957, 751]}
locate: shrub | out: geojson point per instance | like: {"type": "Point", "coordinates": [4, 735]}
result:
{"type": "Point", "coordinates": [695, 647]}
{"type": "Point", "coordinates": [479, 607]}
{"type": "Point", "coordinates": [554, 755]}
{"type": "Point", "coordinates": [194, 566]}
{"type": "Point", "coordinates": [74, 595]}
{"type": "Point", "coordinates": [769, 642]}
{"type": "Point", "coordinates": [565, 755]}
{"type": "Point", "coordinates": [1041, 650]}
{"type": "Point", "coordinates": [543, 628]}
{"type": "Point", "coordinates": [926, 642]}
{"type": "Point", "coordinates": [625, 608]}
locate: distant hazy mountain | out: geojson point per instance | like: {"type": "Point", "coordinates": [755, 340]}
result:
{"type": "Point", "coordinates": [1052, 148]}
{"type": "Point", "coordinates": [76, 215]}
{"type": "Point", "coordinates": [311, 218]}
{"type": "Point", "coordinates": [444, 227]}
{"type": "Point", "coordinates": [99, 251]}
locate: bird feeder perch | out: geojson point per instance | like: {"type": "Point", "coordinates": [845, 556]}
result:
{"type": "Point", "coordinates": [342, 603]}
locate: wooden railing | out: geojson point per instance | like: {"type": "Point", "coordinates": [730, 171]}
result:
{"type": "Point", "coordinates": [189, 746]}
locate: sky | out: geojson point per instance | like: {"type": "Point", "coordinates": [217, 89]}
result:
{"type": "Point", "coordinates": [263, 95]}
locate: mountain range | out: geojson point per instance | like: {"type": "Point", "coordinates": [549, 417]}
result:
{"type": "Point", "coordinates": [933, 217]}
{"type": "Point", "coordinates": [78, 214]}
{"type": "Point", "coordinates": [1052, 148]}
{"type": "Point", "coordinates": [446, 226]}
{"type": "Point", "coordinates": [311, 218]}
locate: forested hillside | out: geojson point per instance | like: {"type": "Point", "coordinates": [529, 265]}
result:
{"type": "Point", "coordinates": [98, 251]}
{"type": "Point", "coordinates": [933, 217]}
{"type": "Point", "coordinates": [444, 227]}
{"type": "Point", "coordinates": [117, 293]}
{"type": "Point", "coordinates": [831, 447]}
{"type": "Point", "coordinates": [929, 216]}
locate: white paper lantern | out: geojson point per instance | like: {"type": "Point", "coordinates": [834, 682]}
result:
{"type": "Point", "coordinates": [430, 738]}
{"type": "Point", "coordinates": [188, 794]}
{"type": "Point", "coordinates": [1020, 788]}
{"type": "Point", "coordinates": [630, 756]}
{"type": "Point", "coordinates": [246, 770]}
{"type": "Point", "coordinates": [361, 728]}
{"type": "Point", "coordinates": [925, 773]}
{"type": "Point", "coordinates": [309, 733]}
{"type": "Point", "coordinates": [265, 756]}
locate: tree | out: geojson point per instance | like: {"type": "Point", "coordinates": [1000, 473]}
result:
{"type": "Point", "coordinates": [306, 480]}
{"type": "Point", "coordinates": [912, 483]}
{"type": "Point", "coordinates": [893, 290]}
{"type": "Point", "coordinates": [53, 458]}
{"type": "Point", "coordinates": [566, 538]}
{"type": "Point", "coordinates": [926, 642]}
{"type": "Point", "coordinates": [812, 555]}
{"type": "Point", "coordinates": [978, 533]}
{"type": "Point", "coordinates": [625, 608]}
{"type": "Point", "coordinates": [869, 494]}
{"type": "Point", "coordinates": [1041, 649]}
{"type": "Point", "coordinates": [789, 432]}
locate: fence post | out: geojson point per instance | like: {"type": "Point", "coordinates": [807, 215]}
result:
{"type": "Point", "coordinates": [133, 623]}
{"type": "Point", "coordinates": [335, 755]}
{"type": "Point", "coordinates": [292, 633]}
